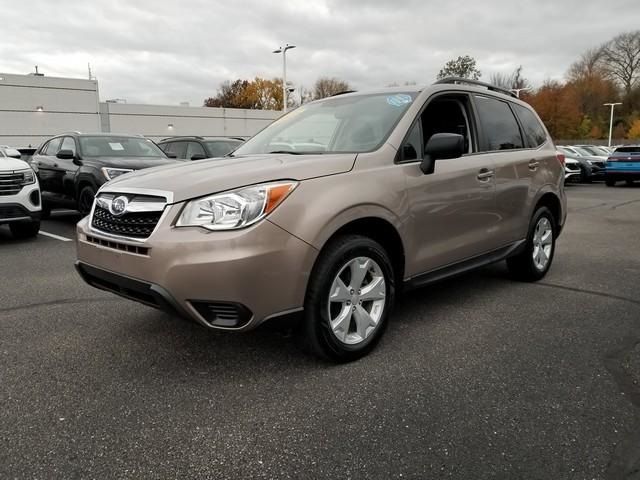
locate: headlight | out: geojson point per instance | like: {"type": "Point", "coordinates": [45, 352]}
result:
{"type": "Point", "coordinates": [235, 209]}
{"type": "Point", "coordinates": [28, 177]}
{"type": "Point", "coordinates": [111, 173]}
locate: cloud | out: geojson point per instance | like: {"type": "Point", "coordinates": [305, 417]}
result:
{"type": "Point", "coordinates": [168, 52]}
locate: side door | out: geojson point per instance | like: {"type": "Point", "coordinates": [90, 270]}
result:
{"type": "Point", "coordinates": [195, 151]}
{"type": "Point", "coordinates": [453, 209]}
{"type": "Point", "coordinates": [47, 163]}
{"type": "Point", "coordinates": [179, 149]}
{"type": "Point", "coordinates": [501, 139]}
{"type": "Point", "coordinates": [67, 169]}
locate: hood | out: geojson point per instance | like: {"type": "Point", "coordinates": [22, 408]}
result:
{"type": "Point", "coordinates": [134, 163]}
{"type": "Point", "coordinates": [10, 164]}
{"type": "Point", "coordinates": [203, 177]}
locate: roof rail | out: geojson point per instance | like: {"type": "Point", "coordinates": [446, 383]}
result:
{"type": "Point", "coordinates": [76, 132]}
{"type": "Point", "coordinates": [343, 93]}
{"type": "Point", "coordinates": [182, 136]}
{"type": "Point", "coordinates": [468, 81]}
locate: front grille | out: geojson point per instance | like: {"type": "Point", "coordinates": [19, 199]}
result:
{"type": "Point", "coordinates": [131, 224]}
{"type": "Point", "coordinates": [11, 183]}
{"type": "Point", "coordinates": [573, 167]}
{"type": "Point", "coordinates": [223, 314]}
{"type": "Point", "coordinates": [118, 246]}
{"type": "Point", "coordinates": [8, 212]}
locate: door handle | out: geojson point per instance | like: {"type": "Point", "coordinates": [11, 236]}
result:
{"type": "Point", "coordinates": [485, 174]}
{"type": "Point", "coordinates": [533, 164]}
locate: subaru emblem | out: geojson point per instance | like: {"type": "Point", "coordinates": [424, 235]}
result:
{"type": "Point", "coordinates": [118, 206]}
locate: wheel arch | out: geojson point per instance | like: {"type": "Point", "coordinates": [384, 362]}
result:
{"type": "Point", "coordinates": [551, 200]}
{"type": "Point", "coordinates": [379, 229]}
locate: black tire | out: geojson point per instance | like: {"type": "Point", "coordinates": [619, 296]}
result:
{"type": "Point", "coordinates": [85, 200]}
{"type": "Point", "coordinates": [522, 266]}
{"type": "Point", "coordinates": [584, 175]}
{"type": "Point", "coordinates": [629, 182]}
{"type": "Point", "coordinates": [609, 183]}
{"type": "Point", "coordinates": [314, 333]}
{"type": "Point", "coordinates": [46, 211]}
{"type": "Point", "coordinates": [25, 229]}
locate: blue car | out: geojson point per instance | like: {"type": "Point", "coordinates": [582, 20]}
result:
{"type": "Point", "coordinates": [623, 164]}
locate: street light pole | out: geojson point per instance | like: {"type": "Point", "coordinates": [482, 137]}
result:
{"type": "Point", "coordinates": [283, 51]}
{"type": "Point", "coordinates": [612, 105]}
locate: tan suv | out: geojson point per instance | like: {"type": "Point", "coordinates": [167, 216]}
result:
{"type": "Point", "coordinates": [328, 212]}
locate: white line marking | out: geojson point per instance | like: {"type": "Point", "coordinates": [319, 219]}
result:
{"type": "Point", "coordinates": [57, 237]}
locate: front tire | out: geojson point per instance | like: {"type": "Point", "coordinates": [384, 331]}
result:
{"type": "Point", "coordinates": [85, 200]}
{"type": "Point", "coordinates": [534, 261]}
{"type": "Point", "coordinates": [24, 230]}
{"type": "Point", "coordinates": [350, 295]}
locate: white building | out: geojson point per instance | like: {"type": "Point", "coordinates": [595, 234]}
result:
{"type": "Point", "coordinates": [35, 107]}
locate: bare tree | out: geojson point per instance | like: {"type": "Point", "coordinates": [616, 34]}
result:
{"type": "Point", "coordinates": [326, 87]}
{"type": "Point", "coordinates": [512, 81]}
{"type": "Point", "coordinates": [621, 57]}
{"type": "Point", "coordinates": [589, 64]}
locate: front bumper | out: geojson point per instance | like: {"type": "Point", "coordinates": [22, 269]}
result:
{"type": "Point", "coordinates": [260, 272]}
{"type": "Point", "coordinates": [22, 207]}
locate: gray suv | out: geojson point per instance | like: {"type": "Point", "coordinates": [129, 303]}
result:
{"type": "Point", "coordinates": [331, 210]}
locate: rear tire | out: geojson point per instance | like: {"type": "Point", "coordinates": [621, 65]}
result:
{"type": "Point", "coordinates": [609, 183]}
{"type": "Point", "coordinates": [349, 298]}
{"type": "Point", "coordinates": [534, 261]}
{"type": "Point", "coordinates": [24, 229]}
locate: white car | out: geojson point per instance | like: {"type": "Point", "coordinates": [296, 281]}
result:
{"type": "Point", "coordinates": [571, 170]}
{"type": "Point", "coordinates": [20, 202]}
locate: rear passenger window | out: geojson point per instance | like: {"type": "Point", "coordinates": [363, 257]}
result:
{"type": "Point", "coordinates": [534, 133]}
{"type": "Point", "coordinates": [498, 124]}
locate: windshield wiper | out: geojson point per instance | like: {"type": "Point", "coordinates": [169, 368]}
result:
{"type": "Point", "coordinates": [290, 152]}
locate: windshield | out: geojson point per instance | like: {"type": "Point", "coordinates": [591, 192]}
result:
{"type": "Point", "coordinates": [592, 150]}
{"type": "Point", "coordinates": [582, 151]}
{"type": "Point", "coordinates": [348, 124]}
{"type": "Point", "coordinates": [108, 146]}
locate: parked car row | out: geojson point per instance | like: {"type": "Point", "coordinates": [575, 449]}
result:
{"type": "Point", "coordinates": [73, 166]}
{"type": "Point", "coordinates": [591, 162]}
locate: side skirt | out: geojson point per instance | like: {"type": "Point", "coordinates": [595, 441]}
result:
{"type": "Point", "coordinates": [464, 266]}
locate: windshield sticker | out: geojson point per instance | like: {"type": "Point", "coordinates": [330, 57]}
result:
{"type": "Point", "coordinates": [116, 146]}
{"type": "Point", "coordinates": [399, 100]}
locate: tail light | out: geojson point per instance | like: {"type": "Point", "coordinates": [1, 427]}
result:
{"type": "Point", "coordinates": [560, 157]}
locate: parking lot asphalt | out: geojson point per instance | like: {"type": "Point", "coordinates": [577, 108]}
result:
{"type": "Point", "coordinates": [477, 377]}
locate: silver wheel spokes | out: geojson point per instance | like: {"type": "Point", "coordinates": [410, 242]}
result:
{"type": "Point", "coordinates": [356, 300]}
{"type": "Point", "coordinates": [542, 243]}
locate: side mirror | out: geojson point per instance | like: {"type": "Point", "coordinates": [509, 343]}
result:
{"type": "Point", "coordinates": [198, 156]}
{"type": "Point", "coordinates": [171, 155]}
{"type": "Point", "coordinates": [65, 155]}
{"type": "Point", "coordinates": [439, 147]}
{"type": "Point", "coordinates": [77, 161]}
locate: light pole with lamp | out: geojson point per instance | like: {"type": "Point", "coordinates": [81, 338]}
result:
{"type": "Point", "coordinates": [612, 105]}
{"type": "Point", "coordinates": [283, 51]}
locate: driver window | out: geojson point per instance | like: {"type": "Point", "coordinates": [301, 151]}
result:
{"type": "Point", "coordinates": [445, 114]}
{"type": "Point", "coordinates": [448, 115]}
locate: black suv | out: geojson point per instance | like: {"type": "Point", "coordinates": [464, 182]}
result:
{"type": "Point", "coordinates": [72, 166]}
{"type": "Point", "coordinates": [198, 148]}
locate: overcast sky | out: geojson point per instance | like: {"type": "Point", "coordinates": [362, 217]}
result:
{"type": "Point", "coordinates": [172, 51]}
